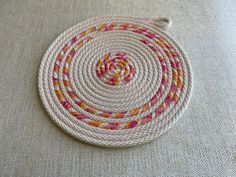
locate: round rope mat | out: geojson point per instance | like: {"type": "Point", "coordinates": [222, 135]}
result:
{"type": "Point", "coordinates": [115, 81]}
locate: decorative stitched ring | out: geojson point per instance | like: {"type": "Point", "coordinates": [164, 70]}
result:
{"type": "Point", "coordinates": [115, 81]}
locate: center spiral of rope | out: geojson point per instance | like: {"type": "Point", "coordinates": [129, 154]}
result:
{"type": "Point", "coordinates": [115, 68]}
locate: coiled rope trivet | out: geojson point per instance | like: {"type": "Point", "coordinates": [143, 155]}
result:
{"type": "Point", "coordinates": [115, 81]}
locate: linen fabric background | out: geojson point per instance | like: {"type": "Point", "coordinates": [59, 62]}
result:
{"type": "Point", "coordinates": [203, 141]}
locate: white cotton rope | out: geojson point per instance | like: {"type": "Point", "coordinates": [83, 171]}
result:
{"type": "Point", "coordinates": [115, 81]}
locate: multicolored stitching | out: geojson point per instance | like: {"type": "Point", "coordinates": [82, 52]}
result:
{"type": "Point", "coordinates": [117, 79]}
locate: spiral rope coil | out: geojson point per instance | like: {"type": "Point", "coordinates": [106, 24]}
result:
{"type": "Point", "coordinates": [115, 81]}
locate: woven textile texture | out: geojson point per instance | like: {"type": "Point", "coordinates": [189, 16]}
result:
{"type": "Point", "coordinates": [203, 141]}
